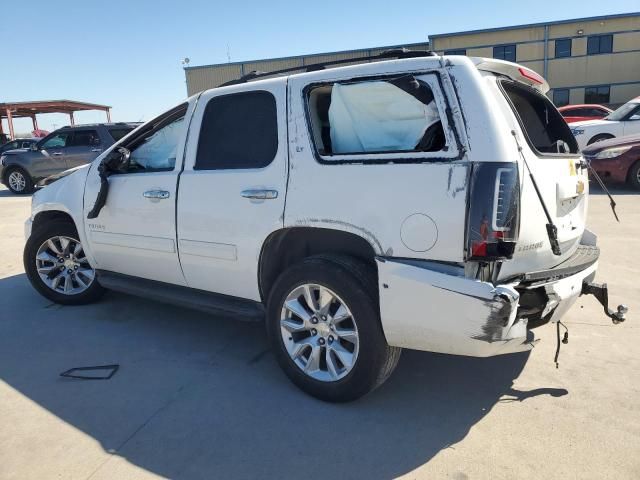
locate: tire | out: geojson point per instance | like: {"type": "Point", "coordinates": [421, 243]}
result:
{"type": "Point", "coordinates": [79, 280]}
{"type": "Point", "coordinates": [633, 177]}
{"type": "Point", "coordinates": [21, 178]}
{"type": "Point", "coordinates": [353, 284]}
{"type": "Point", "coordinates": [599, 138]}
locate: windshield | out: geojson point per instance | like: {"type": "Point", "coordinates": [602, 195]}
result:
{"type": "Point", "coordinates": [622, 112]}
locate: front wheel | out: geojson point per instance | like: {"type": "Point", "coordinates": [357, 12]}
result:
{"type": "Point", "coordinates": [324, 327]}
{"type": "Point", "coordinates": [634, 175]}
{"type": "Point", "coordinates": [57, 266]}
{"type": "Point", "coordinates": [19, 181]}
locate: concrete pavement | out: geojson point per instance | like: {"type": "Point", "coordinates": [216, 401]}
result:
{"type": "Point", "coordinates": [202, 397]}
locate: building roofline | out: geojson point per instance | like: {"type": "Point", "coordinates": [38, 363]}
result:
{"type": "Point", "coordinates": [309, 55]}
{"type": "Point", "coordinates": [538, 24]}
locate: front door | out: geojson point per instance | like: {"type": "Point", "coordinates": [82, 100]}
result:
{"type": "Point", "coordinates": [84, 146]}
{"type": "Point", "coordinates": [232, 190]}
{"type": "Point", "coordinates": [135, 232]}
{"type": "Point", "coordinates": [53, 151]}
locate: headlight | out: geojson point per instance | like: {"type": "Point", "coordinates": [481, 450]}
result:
{"type": "Point", "coordinates": [612, 152]}
{"type": "Point", "coordinates": [577, 131]}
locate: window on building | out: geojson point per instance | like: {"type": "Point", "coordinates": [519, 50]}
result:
{"type": "Point", "coordinates": [597, 44]}
{"type": "Point", "coordinates": [505, 52]}
{"type": "Point", "coordinates": [597, 94]}
{"type": "Point", "coordinates": [563, 48]}
{"type": "Point", "coordinates": [456, 51]}
{"type": "Point", "coordinates": [238, 131]}
{"type": "Point", "coordinates": [375, 116]}
{"type": "Point", "coordinates": [561, 97]}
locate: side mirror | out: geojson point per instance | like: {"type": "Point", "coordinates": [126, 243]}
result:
{"type": "Point", "coordinates": [117, 160]}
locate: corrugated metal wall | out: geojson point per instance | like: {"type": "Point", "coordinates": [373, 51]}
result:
{"type": "Point", "coordinates": [211, 76]}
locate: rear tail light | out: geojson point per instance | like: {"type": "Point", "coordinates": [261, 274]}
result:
{"type": "Point", "coordinates": [494, 211]}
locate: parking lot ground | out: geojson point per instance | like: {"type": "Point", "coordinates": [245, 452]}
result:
{"type": "Point", "coordinates": [202, 397]}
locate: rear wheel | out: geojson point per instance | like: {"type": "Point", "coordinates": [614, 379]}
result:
{"type": "Point", "coordinates": [324, 327]}
{"type": "Point", "coordinates": [633, 177]}
{"type": "Point", "coordinates": [57, 266]}
{"type": "Point", "coordinates": [599, 138]}
{"type": "Point", "coordinates": [19, 181]}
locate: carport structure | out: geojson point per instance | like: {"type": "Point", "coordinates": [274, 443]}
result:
{"type": "Point", "coordinates": [31, 109]}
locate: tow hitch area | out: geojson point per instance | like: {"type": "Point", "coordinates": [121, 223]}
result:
{"type": "Point", "coordinates": [601, 292]}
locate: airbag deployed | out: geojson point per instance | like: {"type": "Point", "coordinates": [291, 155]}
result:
{"type": "Point", "coordinates": [376, 117]}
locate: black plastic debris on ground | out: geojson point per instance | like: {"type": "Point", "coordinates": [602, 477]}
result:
{"type": "Point", "coordinates": [100, 372]}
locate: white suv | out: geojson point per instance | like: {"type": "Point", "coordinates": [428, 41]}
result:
{"type": "Point", "coordinates": [431, 203]}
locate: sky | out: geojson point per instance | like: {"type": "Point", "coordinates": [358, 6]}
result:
{"type": "Point", "coordinates": [128, 53]}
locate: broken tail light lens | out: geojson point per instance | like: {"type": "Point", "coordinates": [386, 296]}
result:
{"type": "Point", "coordinates": [493, 218]}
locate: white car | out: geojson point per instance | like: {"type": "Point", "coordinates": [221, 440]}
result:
{"type": "Point", "coordinates": [622, 122]}
{"type": "Point", "coordinates": [357, 210]}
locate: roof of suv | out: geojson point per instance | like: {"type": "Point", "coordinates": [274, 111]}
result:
{"type": "Point", "coordinates": [112, 124]}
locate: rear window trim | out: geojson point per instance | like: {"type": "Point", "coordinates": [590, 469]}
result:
{"type": "Point", "coordinates": [501, 81]}
{"type": "Point", "coordinates": [390, 157]}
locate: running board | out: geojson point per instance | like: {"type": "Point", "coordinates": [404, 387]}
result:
{"type": "Point", "coordinates": [213, 303]}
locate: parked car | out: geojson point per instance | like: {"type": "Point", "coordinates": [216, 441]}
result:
{"type": "Point", "coordinates": [582, 112]}
{"type": "Point", "coordinates": [357, 210]}
{"type": "Point", "coordinates": [620, 123]}
{"type": "Point", "coordinates": [17, 144]}
{"type": "Point", "coordinates": [65, 148]}
{"type": "Point", "coordinates": [617, 159]}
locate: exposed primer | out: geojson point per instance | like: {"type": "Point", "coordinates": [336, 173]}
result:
{"type": "Point", "coordinates": [465, 179]}
{"type": "Point", "coordinates": [368, 235]}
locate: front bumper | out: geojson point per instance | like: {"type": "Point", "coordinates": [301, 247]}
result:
{"type": "Point", "coordinates": [424, 307]}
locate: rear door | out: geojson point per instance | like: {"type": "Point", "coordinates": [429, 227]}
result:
{"type": "Point", "coordinates": [83, 147]}
{"type": "Point", "coordinates": [232, 190]}
{"type": "Point", "coordinates": [551, 155]}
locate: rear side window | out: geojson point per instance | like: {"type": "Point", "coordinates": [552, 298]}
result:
{"type": "Point", "coordinates": [118, 133]}
{"type": "Point", "coordinates": [238, 131]}
{"type": "Point", "coordinates": [375, 116]}
{"type": "Point", "coordinates": [84, 138]}
{"type": "Point", "coordinates": [544, 127]}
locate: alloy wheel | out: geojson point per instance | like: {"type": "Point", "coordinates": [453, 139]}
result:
{"type": "Point", "coordinates": [319, 332]}
{"type": "Point", "coordinates": [63, 266]}
{"type": "Point", "coordinates": [17, 182]}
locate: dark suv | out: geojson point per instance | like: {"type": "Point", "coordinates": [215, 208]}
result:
{"type": "Point", "coordinates": [67, 147]}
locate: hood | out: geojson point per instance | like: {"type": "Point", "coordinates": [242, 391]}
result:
{"type": "Point", "coordinates": [590, 123]}
{"type": "Point", "coordinates": [49, 180]}
{"type": "Point", "coordinates": [611, 143]}
{"type": "Point", "coordinates": [15, 151]}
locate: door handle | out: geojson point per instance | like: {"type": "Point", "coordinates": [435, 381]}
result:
{"type": "Point", "coordinates": [96, 149]}
{"type": "Point", "coordinates": [159, 194]}
{"type": "Point", "coordinates": [260, 194]}
{"type": "Point", "coordinates": [57, 153]}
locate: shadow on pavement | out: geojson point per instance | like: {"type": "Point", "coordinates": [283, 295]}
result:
{"type": "Point", "coordinates": [200, 397]}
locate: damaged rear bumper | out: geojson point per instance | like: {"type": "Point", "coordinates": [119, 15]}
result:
{"type": "Point", "coordinates": [430, 307]}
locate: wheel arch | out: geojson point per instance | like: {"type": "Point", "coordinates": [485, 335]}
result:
{"type": "Point", "coordinates": [46, 216]}
{"type": "Point", "coordinates": [288, 246]}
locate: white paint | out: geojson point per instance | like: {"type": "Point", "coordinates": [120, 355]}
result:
{"type": "Point", "coordinates": [419, 232]}
{"type": "Point", "coordinates": [221, 251]}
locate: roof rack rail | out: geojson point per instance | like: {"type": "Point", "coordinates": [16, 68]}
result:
{"type": "Point", "coordinates": [397, 53]}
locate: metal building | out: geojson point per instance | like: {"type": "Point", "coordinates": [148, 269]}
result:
{"type": "Point", "coordinates": [585, 60]}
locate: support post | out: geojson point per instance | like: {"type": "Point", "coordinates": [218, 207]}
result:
{"type": "Point", "coordinates": [1, 129]}
{"type": "Point", "coordinates": [71, 118]}
{"type": "Point", "coordinates": [108, 115]}
{"type": "Point", "coordinates": [35, 122]}
{"type": "Point", "coordinates": [10, 120]}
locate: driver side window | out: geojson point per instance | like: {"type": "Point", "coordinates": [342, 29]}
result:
{"type": "Point", "coordinates": [58, 140]}
{"type": "Point", "coordinates": [157, 150]}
